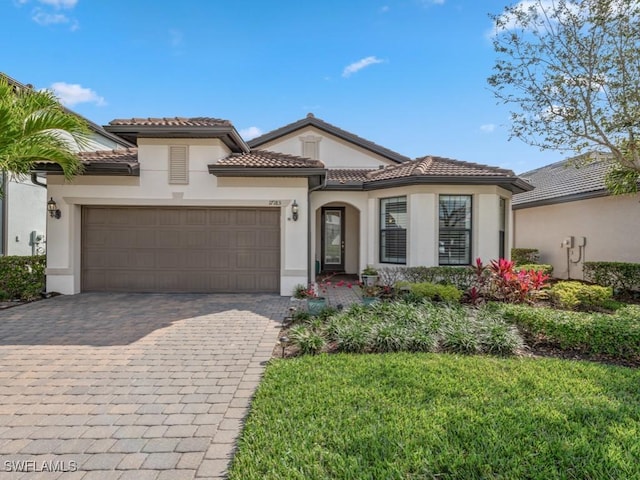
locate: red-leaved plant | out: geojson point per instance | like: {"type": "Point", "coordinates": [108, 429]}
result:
{"type": "Point", "coordinates": [499, 281]}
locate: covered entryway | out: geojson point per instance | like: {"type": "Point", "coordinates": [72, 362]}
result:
{"type": "Point", "coordinates": [180, 249]}
{"type": "Point", "coordinates": [337, 238]}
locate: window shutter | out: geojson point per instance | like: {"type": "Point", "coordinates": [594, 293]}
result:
{"type": "Point", "coordinates": [178, 165]}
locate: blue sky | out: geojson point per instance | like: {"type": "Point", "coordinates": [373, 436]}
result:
{"type": "Point", "coordinates": [407, 74]}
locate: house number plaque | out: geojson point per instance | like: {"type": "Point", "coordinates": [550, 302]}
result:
{"type": "Point", "coordinates": [275, 203]}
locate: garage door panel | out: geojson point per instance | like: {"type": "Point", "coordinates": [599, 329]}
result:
{"type": "Point", "coordinates": [247, 239]}
{"type": "Point", "coordinates": [186, 249]}
{"type": "Point", "coordinates": [219, 217]}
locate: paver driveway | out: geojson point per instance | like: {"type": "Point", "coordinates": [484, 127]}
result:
{"type": "Point", "coordinates": [120, 386]}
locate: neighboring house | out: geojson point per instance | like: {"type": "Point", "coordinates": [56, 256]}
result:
{"type": "Point", "coordinates": [195, 208]}
{"type": "Point", "coordinates": [571, 218]}
{"type": "Point", "coordinates": [23, 209]}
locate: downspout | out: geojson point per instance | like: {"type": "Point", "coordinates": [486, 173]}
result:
{"type": "Point", "coordinates": [4, 244]}
{"type": "Point", "coordinates": [312, 262]}
{"type": "Point", "coordinates": [35, 181]}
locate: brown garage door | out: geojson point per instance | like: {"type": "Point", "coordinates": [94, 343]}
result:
{"type": "Point", "coordinates": [140, 249]}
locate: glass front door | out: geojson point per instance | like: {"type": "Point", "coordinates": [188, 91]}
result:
{"type": "Point", "coordinates": [333, 239]}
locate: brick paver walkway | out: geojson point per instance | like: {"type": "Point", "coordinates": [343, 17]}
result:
{"type": "Point", "coordinates": [130, 386]}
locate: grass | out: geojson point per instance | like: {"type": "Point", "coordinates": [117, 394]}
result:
{"type": "Point", "coordinates": [433, 416]}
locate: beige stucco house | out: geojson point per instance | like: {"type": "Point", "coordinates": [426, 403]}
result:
{"type": "Point", "coordinates": [571, 218]}
{"type": "Point", "coordinates": [195, 208]}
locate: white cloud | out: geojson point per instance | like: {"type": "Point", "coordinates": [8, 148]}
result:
{"type": "Point", "coordinates": [250, 132]}
{"type": "Point", "coordinates": [359, 65]}
{"type": "Point", "coordinates": [488, 127]}
{"type": "Point", "coordinates": [44, 18]}
{"type": "Point", "coordinates": [176, 38]}
{"type": "Point", "coordinates": [60, 3]}
{"type": "Point", "coordinates": [71, 94]}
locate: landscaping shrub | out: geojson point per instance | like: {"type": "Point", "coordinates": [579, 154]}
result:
{"type": "Point", "coordinates": [460, 336]}
{"type": "Point", "coordinates": [22, 278]}
{"type": "Point", "coordinates": [307, 339]}
{"type": "Point", "coordinates": [432, 291]}
{"type": "Point", "coordinates": [622, 277]}
{"type": "Point", "coordinates": [577, 295]}
{"type": "Point", "coordinates": [523, 256]}
{"type": "Point", "coordinates": [536, 267]}
{"type": "Point", "coordinates": [460, 277]}
{"type": "Point", "coordinates": [400, 326]}
{"type": "Point", "coordinates": [615, 334]}
{"type": "Point", "coordinates": [501, 282]}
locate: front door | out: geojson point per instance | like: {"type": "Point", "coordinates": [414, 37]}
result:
{"type": "Point", "coordinates": [333, 239]}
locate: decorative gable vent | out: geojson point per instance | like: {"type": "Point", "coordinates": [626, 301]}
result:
{"type": "Point", "coordinates": [178, 165]}
{"type": "Point", "coordinates": [311, 147]}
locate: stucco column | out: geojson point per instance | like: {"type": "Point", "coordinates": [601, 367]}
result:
{"type": "Point", "coordinates": [373, 233]}
{"type": "Point", "coordinates": [423, 221]}
{"type": "Point", "coordinates": [486, 223]}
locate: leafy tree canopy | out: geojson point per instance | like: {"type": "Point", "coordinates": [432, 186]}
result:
{"type": "Point", "coordinates": [34, 128]}
{"type": "Point", "coordinates": [571, 71]}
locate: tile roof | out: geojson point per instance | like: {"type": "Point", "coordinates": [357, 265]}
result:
{"type": "Point", "coordinates": [172, 122]}
{"type": "Point", "coordinates": [341, 176]}
{"type": "Point", "coordinates": [424, 170]}
{"type": "Point", "coordinates": [554, 183]}
{"type": "Point", "coordinates": [311, 120]}
{"type": "Point", "coordinates": [267, 159]}
{"type": "Point", "coordinates": [129, 155]}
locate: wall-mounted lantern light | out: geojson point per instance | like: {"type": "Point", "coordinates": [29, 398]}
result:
{"type": "Point", "coordinates": [294, 211]}
{"type": "Point", "coordinates": [52, 208]}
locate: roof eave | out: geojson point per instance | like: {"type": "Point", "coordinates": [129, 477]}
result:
{"type": "Point", "coordinates": [562, 199]}
{"type": "Point", "coordinates": [513, 184]}
{"type": "Point", "coordinates": [95, 169]}
{"type": "Point", "coordinates": [233, 171]}
{"type": "Point", "coordinates": [229, 135]}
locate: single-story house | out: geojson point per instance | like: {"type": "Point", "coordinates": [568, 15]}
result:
{"type": "Point", "coordinates": [570, 217]}
{"type": "Point", "coordinates": [23, 207]}
{"type": "Point", "coordinates": [195, 208]}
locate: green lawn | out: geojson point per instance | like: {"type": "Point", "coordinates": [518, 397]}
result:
{"type": "Point", "coordinates": [435, 416]}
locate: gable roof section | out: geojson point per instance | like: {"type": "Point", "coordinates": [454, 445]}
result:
{"type": "Point", "coordinates": [92, 126]}
{"type": "Point", "coordinates": [179, 127]}
{"type": "Point", "coordinates": [104, 162]}
{"type": "Point", "coordinates": [311, 120]}
{"type": "Point", "coordinates": [425, 170]}
{"type": "Point", "coordinates": [563, 182]}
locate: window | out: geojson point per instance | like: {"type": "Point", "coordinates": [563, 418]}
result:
{"type": "Point", "coordinates": [178, 165]}
{"type": "Point", "coordinates": [455, 230]}
{"type": "Point", "coordinates": [502, 228]}
{"type": "Point", "coordinates": [393, 230]}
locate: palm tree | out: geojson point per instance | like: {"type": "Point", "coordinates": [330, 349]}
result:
{"type": "Point", "coordinates": [35, 128]}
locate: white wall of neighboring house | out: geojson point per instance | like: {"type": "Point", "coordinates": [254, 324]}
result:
{"type": "Point", "coordinates": [27, 213]}
{"type": "Point", "coordinates": [151, 188]}
{"type": "Point", "coordinates": [27, 206]}
{"type": "Point", "coordinates": [610, 226]}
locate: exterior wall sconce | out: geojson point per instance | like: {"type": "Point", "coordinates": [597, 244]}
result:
{"type": "Point", "coordinates": [52, 208]}
{"type": "Point", "coordinates": [294, 211]}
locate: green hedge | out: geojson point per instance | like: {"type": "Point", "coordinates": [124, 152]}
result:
{"type": "Point", "coordinates": [537, 267]}
{"type": "Point", "coordinates": [622, 277]}
{"type": "Point", "coordinates": [21, 278]}
{"type": "Point", "coordinates": [615, 334]}
{"type": "Point", "coordinates": [577, 295]}
{"type": "Point", "coordinates": [460, 277]}
{"type": "Point", "coordinates": [432, 291]}
{"type": "Point", "coordinates": [523, 256]}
